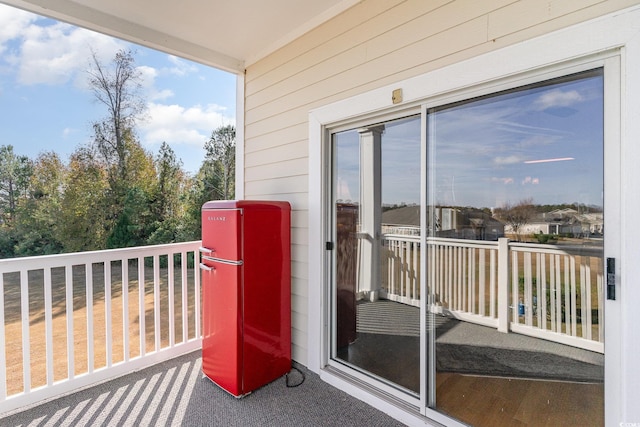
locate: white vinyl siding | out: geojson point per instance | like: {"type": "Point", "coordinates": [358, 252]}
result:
{"type": "Point", "coordinates": [371, 45]}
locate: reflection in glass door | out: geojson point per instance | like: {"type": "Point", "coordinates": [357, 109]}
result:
{"type": "Point", "coordinates": [513, 263]}
{"type": "Point", "coordinates": [515, 250]}
{"type": "Point", "coordinates": [376, 202]}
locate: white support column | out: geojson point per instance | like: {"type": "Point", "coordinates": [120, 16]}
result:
{"type": "Point", "coordinates": [370, 210]}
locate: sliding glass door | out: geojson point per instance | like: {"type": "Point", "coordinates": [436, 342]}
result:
{"type": "Point", "coordinates": [485, 215]}
{"type": "Point", "coordinates": [376, 206]}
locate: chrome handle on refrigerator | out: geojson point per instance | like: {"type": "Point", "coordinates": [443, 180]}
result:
{"type": "Point", "coordinates": [206, 267]}
{"type": "Point", "coordinates": [204, 250]}
{"type": "Point", "coordinates": [222, 261]}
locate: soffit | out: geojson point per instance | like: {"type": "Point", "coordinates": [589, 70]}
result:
{"type": "Point", "coordinates": [228, 34]}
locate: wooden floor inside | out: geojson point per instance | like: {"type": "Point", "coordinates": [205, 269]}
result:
{"type": "Point", "coordinates": [483, 377]}
{"type": "Point", "coordinates": [491, 401]}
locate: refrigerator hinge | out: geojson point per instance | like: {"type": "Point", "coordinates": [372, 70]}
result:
{"type": "Point", "coordinates": [328, 246]}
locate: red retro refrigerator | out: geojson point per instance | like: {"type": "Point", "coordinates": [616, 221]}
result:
{"type": "Point", "coordinates": [246, 293]}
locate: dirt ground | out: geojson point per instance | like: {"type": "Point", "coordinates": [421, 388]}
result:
{"type": "Point", "coordinates": [98, 312]}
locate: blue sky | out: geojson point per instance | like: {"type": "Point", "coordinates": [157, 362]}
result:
{"type": "Point", "coordinates": [45, 104]}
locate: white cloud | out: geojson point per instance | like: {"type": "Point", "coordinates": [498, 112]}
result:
{"type": "Point", "coordinates": [558, 98]}
{"type": "Point", "coordinates": [177, 125]}
{"type": "Point", "coordinates": [12, 24]}
{"type": "Point", "coordinates": [181, 67]}
{"type": "Point", "coordinates": [59, 53]}
{"type": "Point", "coordinates": [43, 51]}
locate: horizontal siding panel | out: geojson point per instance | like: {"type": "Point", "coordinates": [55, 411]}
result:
{"type": "Point", "coordinates": [391, 38]}
{"type": "Point", "coordinates": [528, 13]}
{"type": "Point", "coordinates": [299, 305]}
{"type": "Point", "coordinates": [319, 36]}
{"type": "Point", "coordinates": [299, 219]}
{"type": "Point", "coordinates": [300, 252]}
{"type": "Point", "coordinates": [563, 21]}
{"type": "Point", "coordinates": [291, 120]}
{"type": "Point", "coordinates": [300, 320]}
{"type": "Point", "coordinates": [299, 285]}
{"type": "Point", "coordinates": [300, 236]}
{"type": "Point", "coordinates": [298, 201]}
{"type": "Point", "coordinates": [299, 354]}
{"type": "Point", "coordinates": [466, 36]}
{"type": "Point", "coordinates": [356, 32]}
{"type": "Point", "coordinates": [291, 151]}
{"type": "Point", "coordinates": [291, 184]}
{"type": "Point", "coordinates": [285, 135]}
{"type": "Point", "coordinates": [282, 169]}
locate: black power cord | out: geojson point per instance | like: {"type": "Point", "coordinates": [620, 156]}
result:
{"type": "Point", "coordinates": [288, 382]}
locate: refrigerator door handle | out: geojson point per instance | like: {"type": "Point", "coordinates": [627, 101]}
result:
{"type": "Point", "coordinates": [222, 261]}
{"type": "Point", "coordinates": [207, 251]}
{"type": "Point", "coordinates": [205, 267]}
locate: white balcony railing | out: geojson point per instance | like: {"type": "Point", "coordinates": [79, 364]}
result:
{"type": "Point", "coordinates": [72, 320]}
{"type": "Point", "coordinates": [545, 291]}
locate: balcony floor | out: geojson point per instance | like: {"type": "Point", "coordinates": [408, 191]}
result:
{"type": "Point", "coordinates": [175, 392]}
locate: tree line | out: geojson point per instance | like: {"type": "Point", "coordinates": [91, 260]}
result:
{"type": "Point", "coordinates": [111, 193]}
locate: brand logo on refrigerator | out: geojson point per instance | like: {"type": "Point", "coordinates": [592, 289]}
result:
{"type": "Point", "coordinates": [216, 218]}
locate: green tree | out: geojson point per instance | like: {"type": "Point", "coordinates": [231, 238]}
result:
{"type": "Point", "coordinates": [85, 202]}
{"type": "Point", "coordinates": [168, 203]}
{"type": "Point", "coordinates": [220, 162]}
{"type": "Point", "coordinates": [15, 172]}
{"type": "Point", "coordinates": [166, 198]}
{"type": "Point", "coordinates": [215, 179]}
{"type": "Point", "coordinates": [37, 216]}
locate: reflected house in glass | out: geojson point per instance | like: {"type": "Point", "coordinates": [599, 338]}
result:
{"type": "Point", "coordinates": [492, 91]}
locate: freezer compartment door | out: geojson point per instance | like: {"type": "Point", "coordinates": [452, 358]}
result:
{"type": "Point", "coordinates": [222, 325]}
{"type": "Point", "coordinates": [222, 234]}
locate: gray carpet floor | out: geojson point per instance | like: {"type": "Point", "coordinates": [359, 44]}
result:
{"type": "Point", "coordinates": [175, 393]}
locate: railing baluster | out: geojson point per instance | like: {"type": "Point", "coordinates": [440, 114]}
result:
{"type": "Point", "coordinates": [89, 311]}
{"type": "Point", "coordinates": [107, 314]}
{"type": "Point", "coordinates": [542, 293]}
{"type": "Point", "coordinates": [197, 296]}
{"type": "Point", "coordinates": [528, 289]}
{"type": "Point", "coordinates": [68, 274]}
{"type": "Point", "coordinates": [416, 270]}
{"type": "Point", "coordinates": [125, 309]}
{"type": "Point", "coordinates": [493, 268]}
{"type": "Point", "coordinates": [570, 293]}
{"type": "Point", "coordinates": [48, 325]}
{"type": "Point", "coordinates": [171, 299]}
{"type": "Point", "coordinates": [552, 291]}
{"type": "Point", "coordinates": [588, 306]}
{"type": "Point", "coordinates": [26, 351]}
{"type": "Point", "coordinates": [156, 301]}
{"type": "Point", "coordinates": [482, 285]}
{"type": "Point", "coordinates": [515, 289]}
{"type": "Point", "coordinates": [558, 295]}
{"type": "Point", "coordinates": [185, 302]}
{"type": "Point", "coordinates": [142, 307]}
{"type": "Point", "coordinates": [472, 280]}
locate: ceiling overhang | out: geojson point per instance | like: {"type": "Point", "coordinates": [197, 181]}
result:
{"type": "Point", "coordinates": [229, 35]}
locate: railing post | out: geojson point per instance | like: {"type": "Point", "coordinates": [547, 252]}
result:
{"type": "Point", "coordinates": [503, 285]}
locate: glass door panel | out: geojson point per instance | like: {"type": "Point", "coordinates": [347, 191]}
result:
{"type": "Point", "coordinates": [376, 203]}
{"type": "Point", "coordinates": [520, 333]}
